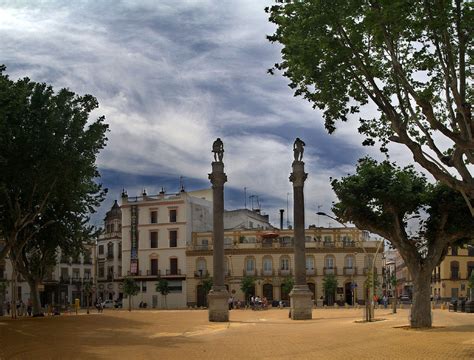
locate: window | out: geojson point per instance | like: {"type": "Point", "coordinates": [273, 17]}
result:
{"type": "Point", "coordinates": [309, 263]}
{"type": "Point", "coordinates": [174, 266]}
{"type": "Point", "coordinates": [143, 286]}
{"type": "Point", "coordinates": [349, 262]}
{"type": "Point", "coordinates": [470, 250]}
{"type": "Point", "coordinates": [173, 238]}
{"type": "Point", "coordinates": [76, 273]}
{"type": "Point", "coordinates": [173, 215]}
{"type": "Point", "coordinates": [65, 273]}
{"type": "Point", "coordinates": [154, 266]}
{"type": "Point", "coordinates": [87, 273]}
{"type": "Point", "coordinates": [284, 263]}
{"type": "Point", "coordinates": [101, 270]}
{"type": "Point", "coordinates": [250, 264]}
{"type": "Point", "coordinates": [454, 270]}
{"type": "Point", "coordinates": [329, 262]}
{"type": "Point", "coordinates": [154, 217]}
{"type": "Point", "coordinates": [110, 273]}
{"type": "Point", "coordinates": [101, 249]}
{"type": "Point", "coordinates": [470, 268]}
{"type": "Point", "coordinates": [153, 239]}
{"type": "Point", "coordinates": [175, 286]}
{"type": "Point", "coordinates": [267, 264]}
{"type": "Point", "coordinates": [327, 238]}
{"type": "Point", "coordinates": [110, 250]}
{"type": "Point", "coordinates": [201, 265]}
{"type": "Point", "coordinates": [119, 271]}
{"type": "Point", "coordinates": [454, 251]}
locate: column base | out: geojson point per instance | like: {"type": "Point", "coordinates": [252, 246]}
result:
{"type": "Point", "coordinates": [218, 305]}
{"type": "Point", "coordinates": [301, 305]}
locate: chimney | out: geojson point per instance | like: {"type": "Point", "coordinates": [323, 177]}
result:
{"type": "Point", "coordinates": [281, 218]}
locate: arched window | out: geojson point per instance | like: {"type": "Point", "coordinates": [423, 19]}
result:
{"type": "Point", "coordinates": [250, 265]}
{"type": "Point", "coordinates": [110, 250]}
{"type": "Point", "coordinates": [201, 264]}
{"type": "Point", "coordinates": [329, 262]}
{"type": "Point", "coordinates": [267, 264]}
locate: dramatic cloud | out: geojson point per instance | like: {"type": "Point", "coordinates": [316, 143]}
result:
{"type": "Point", "coordinates": [171, 76]}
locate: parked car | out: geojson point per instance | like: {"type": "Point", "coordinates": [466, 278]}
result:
{"type": "Point", "coordinates": [108, 304]}
{"type": "Point", "coordinates": [118, 304]}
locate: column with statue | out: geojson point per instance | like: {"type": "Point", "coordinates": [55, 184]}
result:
{"type": "Point", "coordinates": [301, 304]}
{"type": "Point", "coordinates": [218, 296]}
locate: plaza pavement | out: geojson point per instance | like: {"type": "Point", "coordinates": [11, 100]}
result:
{"type": "Point", "coordinates": [269, 334]}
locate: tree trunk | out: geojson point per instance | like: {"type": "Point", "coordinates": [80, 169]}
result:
{"type": "Point", "coordinates": [34, 294]}
{"type": "Point", "coordinates": [14, 291]}
{"type": "Point", "coordinates": [129, 302]}
{"type": "Point", "coordinates": [421, 309]}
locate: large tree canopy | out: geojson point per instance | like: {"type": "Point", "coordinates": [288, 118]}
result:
{"type": "Point", "coordinates": [412, 59]}
{"type": "Point", "coordinates": [48, 150]}
{"type": "Point", "coordinates": [382, 198]}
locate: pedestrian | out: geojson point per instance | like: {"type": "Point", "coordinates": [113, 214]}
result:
{"type": "Point", "coordinates": [8, 307]}
{"type": "Point", "coordinates": [29, 308]}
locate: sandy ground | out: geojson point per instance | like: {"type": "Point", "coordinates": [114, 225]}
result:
{"type": "Point", "coordinates": [186, 334]}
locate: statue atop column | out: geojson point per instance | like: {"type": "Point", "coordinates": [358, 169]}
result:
{"type": "Point", "coordinates": [298, 149]}
{"type": "Point", "coordinates": [218, 150]}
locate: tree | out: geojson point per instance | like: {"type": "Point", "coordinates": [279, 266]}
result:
{"type": "Point", "coordinates": [3, 288]}
{"type": "Point", "coordinates": [382, 197]}
{"type": "Point", "coordinates": [48, 150]}
{"type": "Point", "coordinates": [247, 286]}
{"type": "Point", "coordinates": [287, 284]}
{"type": "Point", "coordinates": [207, 283]}
{"type": "Point", "coordinates": [130, 288]}
{"type": "Point", "coordinates": [87, 288]}
{"type": "Point", "coordinates": [409, 58]}
{"type": "Point", "coordinates": [330, 287]}
{"type": "Point", "coordinates": [163, 288]}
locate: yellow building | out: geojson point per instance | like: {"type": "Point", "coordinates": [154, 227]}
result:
{"type": "Point", "coordinates": [267, 255]}
{"type": "Point", "coordinates": [450, 278]}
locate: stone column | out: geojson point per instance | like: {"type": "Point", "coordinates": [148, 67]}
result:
{"type": "Point", "coordinates": [300, 296]}
{"type": "Point", "coordinates": [218, 296]}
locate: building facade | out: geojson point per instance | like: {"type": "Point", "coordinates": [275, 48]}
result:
{"type": "Point", "coordinates": [109, 257]}
{"type": "Point", "coordinates": [450, 279]}
{"type": "Point", "coordinates": [155, 233]}
{"type": "Point", "coordinates": [267, 256]}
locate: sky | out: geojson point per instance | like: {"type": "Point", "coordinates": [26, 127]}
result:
{"type": "Point", "coordinates": [171, 77]}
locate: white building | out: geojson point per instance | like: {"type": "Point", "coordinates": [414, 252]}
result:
{"type": "Point", "coordinates": [155, 231]}
{"type": "Point", "coordinates": [109, 256]}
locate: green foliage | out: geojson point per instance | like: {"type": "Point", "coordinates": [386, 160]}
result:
{"type": "Point", "coordinates": [471, 281]}
{"type": "Point", "coordinates": [162, 287]}
{"type": "Point", "coordinates": [287, 284]}
{"type": "Point", "coordinates": [330, 284]}
{"type": "Point", "coordinates": [247, 285]}
{"type": "Point", "coordinates": [48, 175]}
{"type": "Point", "coordinates": [409, 58]}
{"type": "Point", "coordinates": [207, 283]}
{"type": "Point", "coordinates": [130, 287]}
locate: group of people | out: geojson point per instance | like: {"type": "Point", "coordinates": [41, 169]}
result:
{"type": "Point", "coordinates": [99, 305]}
{"type": "Point", "coordinates": [258, 303]}
{"type": "Point", "coordinates": [22, 309]}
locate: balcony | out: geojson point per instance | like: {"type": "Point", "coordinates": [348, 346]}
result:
{"type": "Point", "coordinates": [350, 270]}
{"type": "Point", "coordinates": [201, 273]}
{"type": "Point", "coordinates": [330, 270]}
{"type": "Point", "coordinates": [110, 277]}
{"type": "Point", "coordinates": [311, 271]}
{"type": "Point", "coordinates": [76, 279]}
{"type": "Point", "coordinates": [201, 247]}
{"type": "Point", "coordinates": [87, 261]}
{"type": "Point", "coordinates": [173, 271]}
{"type": "Point", "coordinates": [76, 260]}
{"type": "Point", "coordinates": [284, 272]}
{"type": "Point", "coordinates": [454, 275]}
{"type": "Point", "coordinates": [110, 256]}
{"type": "Point", "coordinates": [65, 279]}
{"type": "Point", "coordinates": [154, 272]}
{"type": "Point", "coordinates": [139, 273]}
{"type": "Point", "coordinates": [267, 272]}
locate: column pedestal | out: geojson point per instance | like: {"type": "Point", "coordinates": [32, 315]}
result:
{"type": "Point", "coordinates": [301, 304]}
{"type": "Point", "coordinates": [218, 305]}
